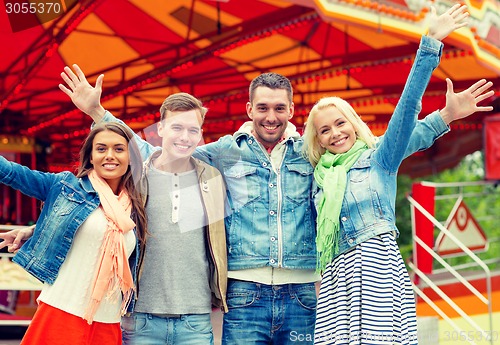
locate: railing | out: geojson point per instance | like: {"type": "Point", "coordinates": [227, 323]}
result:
{"type": "Point", "coordinates": [476, 262]}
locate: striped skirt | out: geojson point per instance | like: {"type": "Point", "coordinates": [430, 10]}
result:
{"type": "Point", "coordinates": [366, 297]}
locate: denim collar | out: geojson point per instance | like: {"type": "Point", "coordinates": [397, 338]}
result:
{"type": "Point", "coordinates": [86, 185]}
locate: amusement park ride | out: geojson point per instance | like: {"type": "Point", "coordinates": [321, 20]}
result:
{"type": "Point", "coordinates": [360, 50]}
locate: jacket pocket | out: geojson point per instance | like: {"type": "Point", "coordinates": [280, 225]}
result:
{"type": "Point", "coordinates": [359, 172]}
{"type": "Point", "coordinates": [298, 182]}
{"type": "Point", "coordinates": [243, 184]}
{"type": "Point", "coordinates": [68, 199]}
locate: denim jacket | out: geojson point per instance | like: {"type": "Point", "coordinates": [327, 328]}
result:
{"type": "Point", "coordinates": [271, 220]}
{"type": "Point", "coordinates": [368, 207]}
{"type": "Point", "coordinates": [68, 201]}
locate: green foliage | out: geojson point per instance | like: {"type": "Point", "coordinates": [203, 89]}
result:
{"type": "Point", "coordinates": [485, 207]}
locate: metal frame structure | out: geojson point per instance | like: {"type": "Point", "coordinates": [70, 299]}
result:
{"type": "Point", "coordinates": [426, 280]}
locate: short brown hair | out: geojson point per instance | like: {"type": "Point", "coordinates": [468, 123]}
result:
{"type": "Point", "coordinates": [273, 81]}
{"type": "Point", "coordinates": [181, 101]}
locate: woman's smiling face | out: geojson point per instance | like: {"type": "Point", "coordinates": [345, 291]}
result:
{"type": "Point", "coordinates": [335, 133]}
{"type": "Point", "coordinates": [110, 157]}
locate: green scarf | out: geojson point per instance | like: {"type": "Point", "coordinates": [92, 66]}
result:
{"type": "Point", "coordinates": [331, 176]}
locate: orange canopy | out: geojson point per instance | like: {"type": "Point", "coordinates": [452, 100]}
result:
{"type": "Point", "coordinates": [360, 50]}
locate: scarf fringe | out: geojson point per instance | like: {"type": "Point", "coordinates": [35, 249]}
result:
{"type": "Point", "coordinates": [328, 244]}
{"type": "Point", "coordinates": [112, 287]}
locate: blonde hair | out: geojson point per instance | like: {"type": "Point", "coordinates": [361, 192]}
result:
{"type": "Point", "coordinates": [312, 150]}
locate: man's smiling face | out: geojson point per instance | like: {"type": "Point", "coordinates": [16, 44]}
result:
{"type": "Point", "coordinates": [270, 111]}
{"type": "Point", "coordinates": [180, 132]}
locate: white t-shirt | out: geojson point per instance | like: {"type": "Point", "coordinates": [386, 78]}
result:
{"type": "Point", "coordinates": [71, 290]}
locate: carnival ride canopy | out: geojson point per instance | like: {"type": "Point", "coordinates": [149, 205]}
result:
{"type": "Point", "coordinates": [360, 50]}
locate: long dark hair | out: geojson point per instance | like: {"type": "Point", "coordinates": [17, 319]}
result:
{"type": "Point", "coordinates": [130, 181]}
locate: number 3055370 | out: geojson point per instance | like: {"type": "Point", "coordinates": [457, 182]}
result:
{"type": "Point", "coordinates": [33, 8]}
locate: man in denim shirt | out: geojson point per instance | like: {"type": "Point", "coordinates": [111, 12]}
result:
{"type": "Point", "coordinates": [271, 226]}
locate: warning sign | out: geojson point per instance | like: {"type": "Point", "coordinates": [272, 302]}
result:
{"type": "Point", "coordinates": [465, 228]}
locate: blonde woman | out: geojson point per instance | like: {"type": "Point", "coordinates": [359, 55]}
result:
{"type": "Point", "coordinates": [366, 295]}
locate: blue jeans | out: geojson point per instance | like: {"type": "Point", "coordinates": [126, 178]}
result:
{"type": "Point", "coordinates": [149, 329]}
{"type": "Point", "coordinates": [269, 314]}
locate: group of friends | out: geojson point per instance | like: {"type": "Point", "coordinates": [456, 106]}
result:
{"type": "Point", "coordinates": [142, 243]}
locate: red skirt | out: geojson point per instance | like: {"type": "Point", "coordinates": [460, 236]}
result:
{"type": "Point", "coordinates": [53, 326]}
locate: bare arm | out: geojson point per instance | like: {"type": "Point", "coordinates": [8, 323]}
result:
{"type": "Point", "coordinates": [84, 96]}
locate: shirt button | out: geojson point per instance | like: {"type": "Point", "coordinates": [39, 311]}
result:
{"type": "Point", "coordinates": [344, 219]}
{"type": "Point", "coordinates": [271, 185]}
{"type": "Point", "coordinates": [250, 141]}
{"type": "Point", "coordinates": [272, 261]}
{"type": "Point", "coordinates": [264, 164]}
{"type": "Point", "coordinates": [273, 239]}
{"type": "Point", "coordinates": [271, 213]}
{"type": "Point", "coordinates": [351, 241]}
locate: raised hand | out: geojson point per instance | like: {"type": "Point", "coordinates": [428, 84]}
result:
{"type": "Point", "coordinates": [84, 96]}
{"type": "Point", "coordinates": [14, 239]}
{"type": "Point", "coordinates": [462, 104]}
{"type": "Point", "coordinates": [449, 21]}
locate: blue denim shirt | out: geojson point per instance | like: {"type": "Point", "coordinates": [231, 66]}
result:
{"type": "Point", "coordinates": [368, 207]}
{"type": "Point", "coordinates": [271, 220]}
{"type": "Point", "coordinates": [68, 201]}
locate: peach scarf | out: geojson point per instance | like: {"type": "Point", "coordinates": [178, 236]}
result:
{"type": "Point", "coordinates": [112, 271]}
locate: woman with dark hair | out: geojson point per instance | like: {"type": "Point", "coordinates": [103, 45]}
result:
{"type": "Point", "coordinates": [88, 228]}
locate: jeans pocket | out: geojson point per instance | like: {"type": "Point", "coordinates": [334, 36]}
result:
{"type": "Point", "coordinates": [198, 323]}
{"type": "Point", "coordinates": [240, 299]}
{"type": "Point", "coordinates": [306, 298]}
{"type": "Point", "coordinates": [133, 323]}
